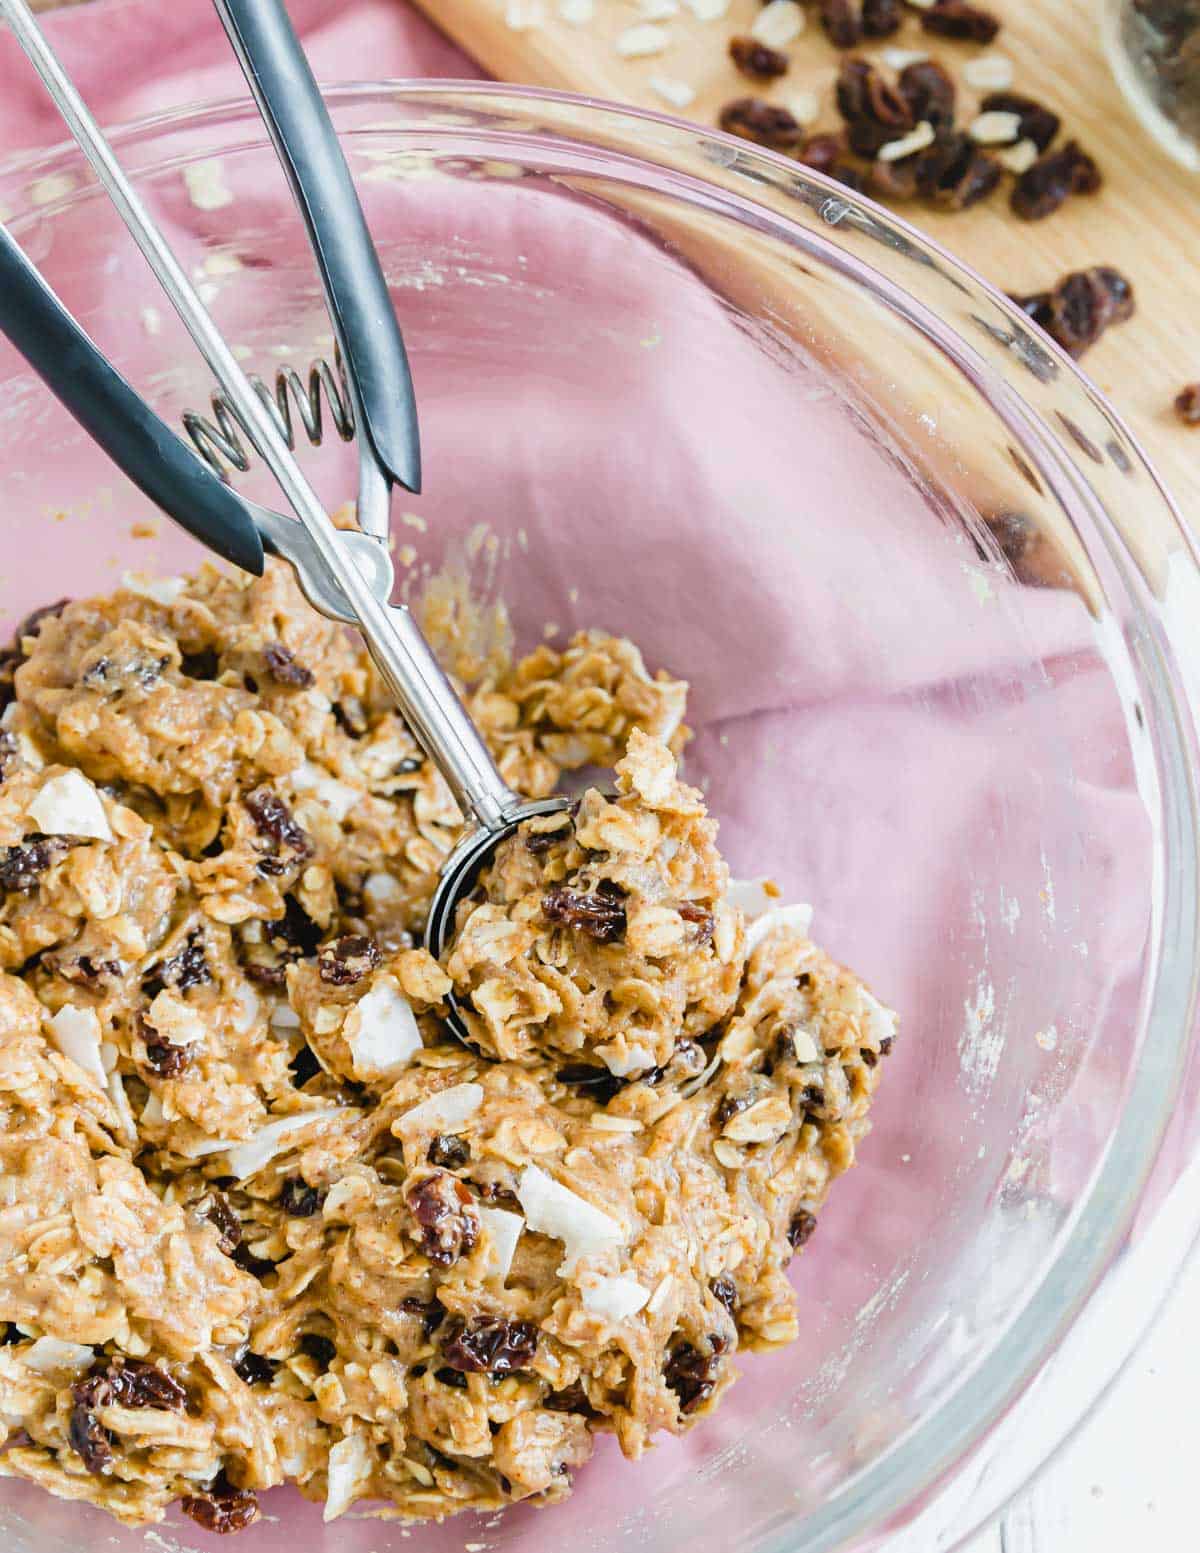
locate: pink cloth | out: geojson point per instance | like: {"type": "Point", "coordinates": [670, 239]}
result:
{"type": "Point", "coordinates": [115, 51]}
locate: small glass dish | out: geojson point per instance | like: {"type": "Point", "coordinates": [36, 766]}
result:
{"type": "Point", "coordinates": [936, 611]}
{"type": "Point", "coordinates": [1154, 49]}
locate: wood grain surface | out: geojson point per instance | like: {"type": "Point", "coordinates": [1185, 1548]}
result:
{"type": "Point", "coordinates": [1146, 221]}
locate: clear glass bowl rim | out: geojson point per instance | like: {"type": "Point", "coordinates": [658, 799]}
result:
{"type": "Point", "coordinates": [930, 1454]}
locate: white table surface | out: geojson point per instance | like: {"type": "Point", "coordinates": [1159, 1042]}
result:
{"type": "Point", "coordinates": [1128, 1480]}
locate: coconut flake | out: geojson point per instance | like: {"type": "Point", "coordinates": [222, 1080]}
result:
{"type": "Point", "coordinates": [159, 590]}
{"type": "Point", "coordinates": [152, 1111]}
{"type": "Point", "coordinates": [504, 1231]}
{"type": "Point", "coordinates": [907, 145]}
{"type": "Point", "coordinates": [658, 10]}
{"type": "Point", "coordinates": [989, 73]}
{"type": "Point", "coordinates": [349, 1470]}
{"type": "Point", "coordinates": [995, 128]}
{"type": "Point", "coordinates": [798, 918]}
{"type": "Point", "coordinates": [382, 1032]}
{"type": "Point", "coordinates": [677, 93]}
{"type": "Point", "coordinates": [248, 1158]}
{"type": "Point", "coordinates": [879, 1023]}
{"type": "Point", "coordinates": [900, 59]}
{"type": "Point", "coordinates": [805, 1047]}
{"type": "Point", "coordinates": [779, 23]}
{"type": "Point", "coordinates": [68, 805]}
{"type": "Point", "coordinates": [76, 1033]}
{"type": "Point", "coordinates": [49, 1356]}
{"type": "Point", "coordinates": [624, 1063]}
{"type": "Point", "coordinates": [443, 1112]}
{"type": "Point", "coordinates": [1019, 158]}
{"type": "Point", "coordinates": [642, 41]}
{"type": "Point", "coordinates": [708, 10]}
{"type": "Point", "coordinates": [752, 896]}
{"type": "Point", "coordinates": [616, 1299]}
{"type": "Point", "coordinates": [577, 13]}
{"type": "Point", "coordinates": [284, 1017]}
{"type": "Point", "coordinates": [206, 187]}
{"type": "Point", "coordinates": [553, 1209]}
{"type": "Point", "coordinates": [338, 797]}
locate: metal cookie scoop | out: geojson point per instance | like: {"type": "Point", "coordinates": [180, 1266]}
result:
{"type": "Point", "coordinates": [346, 576]}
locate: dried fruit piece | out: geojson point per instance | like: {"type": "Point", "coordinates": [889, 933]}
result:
{"type": "Point", "coordinates": [254, 1368]}
{"type": "Point", "coordinates": [22, 867]}
{"type": "Point", "coordinates": [162, 1057]}
{"type": "Point", "coordinates": [801, 1228]}
{"type": "Point", "coordinates": [957, 19]}
{"type": "Point", "coordinates": [757, 60]}
{"type": "Point", "coordinates": [446, 1217]}
{"type": "Point", "coordinates": [701, 919]}
{"type": "Point", "coordinates": [570, 1399]}
{"type": "Point", "coordinates": [1038, 124]}
{"type": "Point", "coordinates": [600, 1084]}
{"type": "Point", "coordinates": [955, 174]}
{"type": "Point", "coordinates": [221, 1214]}
{"type": "Point", "coordinates": [322, 1350]}
{"type": "Point", "coordinates": [284, 669]}
{"type": "Point", "coordinates": [1187, 404]}
{"type": "Point", "coordinates": [431, 1312]}
{"type": "Point", "coordinates": [1052, 179]}
{"type": "Point", "coordinates": [449, 1152]}
{"type": "Point", "coordinates": [822, 152]}
{"type": "Point", "coordinates": [765, 123]}
{"type": "Point", "coordinates": [32, 623]}
{"type": "Point", "coordinates": [273, 819]}
{"type": "Point", "coordinates": [136, 1383]}
{"type": "Point", "coordinates": [347, 960]}
{"type": "Point", "coordinates": [842, 21]}
{"type": "Point", "coordinates": [600, 914]}
{"type": "Point", "coordinates": [221, 1508]}
{"type": "Point", "coordinates": [881, 18]}
{"type": "Point", "coordinates": [185, 969]}
{"type": "Point", "coordinates": [90, 1440]}
{"type": "Point", "coordinates": [298, 1199]}
{"type": "Point", "coordinates": [874, 110]}
{"type": "Point", "coordinates": [1081, 307]}
{"type": "Point", "coordinates": [82, 969]}
{"type": "Point", "coordinates": [930, 94]}
{"type": "Point", "coordinates": [692, 1375]}
{"type": "Point", "coordinates": [725, 1290]}
{"type": "Point", "coordinates": [491, 1345]}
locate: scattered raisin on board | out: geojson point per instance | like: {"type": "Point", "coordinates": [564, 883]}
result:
{"type": "Point", "coordinates": [1038, 123]}
{"type": "Point", "coordinates": [1051, 181]}
{"type": "Point", "coordinates": [956, 19]}
{"type": "Point", "coordinates": [1081, 307]}
{"type": "Point", "coordinates": [757, 60]}
{"type": "Point", "coordinates": [1187, 404]}
{"type": "Point", "coordinates": [765, 123]}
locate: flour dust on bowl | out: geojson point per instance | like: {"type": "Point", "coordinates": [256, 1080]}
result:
{"type": "Point", "coordinates": [930, 603]}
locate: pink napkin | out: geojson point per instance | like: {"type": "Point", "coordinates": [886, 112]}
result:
{"type": "Point", "coordinates": [115, 50]}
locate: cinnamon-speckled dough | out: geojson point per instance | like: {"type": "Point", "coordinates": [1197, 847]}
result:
{"type": "Point", "coordinates": [262, 1218]}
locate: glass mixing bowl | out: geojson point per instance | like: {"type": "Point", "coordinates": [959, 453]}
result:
{"type": "Point", "coordinates": [933, 606]}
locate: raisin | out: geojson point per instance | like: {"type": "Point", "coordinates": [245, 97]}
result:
{"type": "Point", "coordinates": [731, 1106]}
{"type": "Point", "coordinates": [446, 1218]}
{"type": "Point", "coordinates": [295, 933]}
{"type": "Point", "coordinates": [449, 1377]}
{"type": "Point", "coordinates": [801, 1228]}
{"type": "Point", "coordinates": [347, 960]}
{"type": "Point", "coordinates": [885, 1046]}
{"type": "Point", "coordinates": [490, 1344]}
{"type": "Point", "coordinates": [842, 21]}
{"type": "Point", "coordinates": [540, 841]}
{"type": "Point", "coordinates": [1187, 404]}
{"type": "Point", "coordinates": [254, 1368]}
{"type": "Point", "coordinates": [257, 1266]}
{"type": "Point", "coordinates": [957, 19]}
{"type": "Point", "coordinates": [813, 1095]}
{"type": "Point", "coordinates": [221, 1214]}
{"type": "Point", "coordinates": [571, 1399]}
{"type": "Point", "coordinates": [725, 1290]}
{"type": "Point", "coordinates": [600, 914]}
{"type": "Point", "coordinates": [448, 1151]}
{"type": "Point", "coordinates": [765, 123]}
{"type": "Point", "coordinates": [874, 110]}
{"type": "Point", "coordinates": [300, 1200]}
{"type": "Point", "coordinates": [929, 93]}
{"type": "Point", "coordinates": [692, 1375]}
{"type": "Point", "coordinates": [757, 60]}
{"type": "Point", "coordinates": [187, 968]}
{"type": "Point", "coordinates": [304, 1066]}
{"type": "Point", "coordinates": [1038, 124]}
{"type": "Point", "coordinates": [600, 1084]}
{"type": "Point", "coordinates": [868, 1056]}
{"type": "Point", "coordinates": [351, 716]}
{"type": "Point", "coordinates": [90, 1440]}
{"type": "Point", "coordinates": [200, 665]}
{"type": "Point", "coordinates": [1052, 179]}
{"type": "Point", "coordinates": [273, 819]}
{"type": "Point", "coordinates": [221, 1508]}
{"type": "Point", "coordinates": [264, 975]}
{"type": "Point", "coordinates": [320, 1349]}
{"type": "Point", "coordinates": [163, 1058]}
{"type": "Point", "coordinates": [82, 969]}
{"type": "Point", "coordinates": [32, 624]}
{"type": "Point", "coordinates": [496, 1192]}
{"type": "Point", "coordinates": [1081, 307]}
{"type": "Point", "coordinates": [700, 917]}
{"type": "Point", "coordinates": [22, 867]}
{"type": "Point", "coordinates": [283, 667]}
{"type": "Point", "coordinates": [881, 18]}
{"type": "Point", "coordinates": [896, 180]}
{"type": "Point", "coordinates": [955, 174]}
{"type": "Point", "coordinates": [10, 750]}
{"type": "Point", "coordinates": [136, 1383]}
{"type": "Point", "coordinates": [821, 152]}
{"type": "Point", "coordinates": [432, 1313]}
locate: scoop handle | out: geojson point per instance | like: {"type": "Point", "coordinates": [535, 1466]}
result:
{"type": "Point", "coordinates": [117, 418]}
{"type": "Point", "coordinates": [290, 102]}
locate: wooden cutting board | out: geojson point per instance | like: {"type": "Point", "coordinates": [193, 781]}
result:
{"type": "Point", "coordinates": [1146, 221]}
